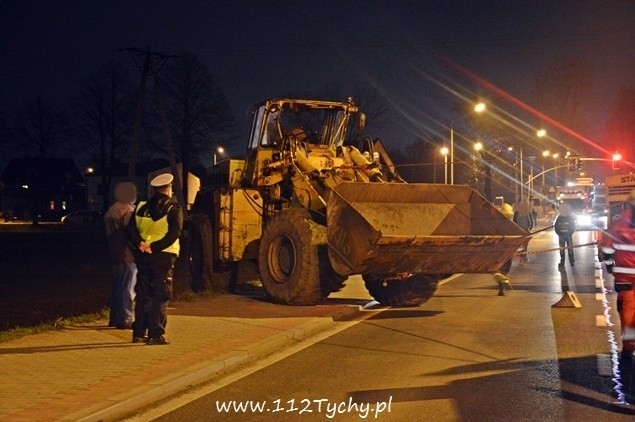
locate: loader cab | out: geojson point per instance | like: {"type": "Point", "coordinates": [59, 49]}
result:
{"type": "Point", "coordinates": [280, 123]}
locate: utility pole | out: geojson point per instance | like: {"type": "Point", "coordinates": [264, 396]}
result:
{"type": "Point", "coordinates": [146, 62]}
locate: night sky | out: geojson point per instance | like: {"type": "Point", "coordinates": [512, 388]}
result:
{"type": "Point", "coordinates": [405, 49]}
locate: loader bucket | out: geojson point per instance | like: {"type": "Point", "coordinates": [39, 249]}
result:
{"type": "Point", "coordinates": [390, 228]}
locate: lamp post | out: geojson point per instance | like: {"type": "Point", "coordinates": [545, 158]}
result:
{"type": "Point", "coordinates": [444, 151]}
{"type": "Point", "coordinates": [555, 162]}
{"type": "Point", "coordinates": [480, 107]}
{"type": "Point", "coordinates": [478, 147]}
{"type": "Point", "coordinates": [521, 175]}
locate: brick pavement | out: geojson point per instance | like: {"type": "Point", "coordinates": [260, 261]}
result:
{"type": "Point", "coordinates": [93, 372]}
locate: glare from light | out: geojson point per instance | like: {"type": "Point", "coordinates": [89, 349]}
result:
{"type": "Point", "coordinates": [480, 107]}
{"type": "Point", "coordinates": [478, 146]}
{"type": "Point", "coordinates": [444, 151]}
{"type": "Point", "coordinates": [541, 133]}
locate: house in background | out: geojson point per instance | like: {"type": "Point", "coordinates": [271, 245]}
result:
{"type": "Point", "coordinates": [43, 187]}
{"type": "Point", "coordinates": [144, 172]}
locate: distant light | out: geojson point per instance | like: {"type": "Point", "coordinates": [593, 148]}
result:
{"type": "Point", "coordinates": [556, 155]}
{"type": "Point", "coordinates": [25, 186]}
{"type": "Point", "coordinates": [220, 150]}
{"type": "Point", "coordinates": [617, 156]}
{"type": "Point", "coordinates": [444, 151]}
{"type": "Point", "coordinates": [541, 133]}
{"type": "Point", "coordinates": [478, 146]}
{"type": "Point", "coordinates": [89, 169]}
{"type": "Point", "coordinates": [546, 153]}
{"type": "Point", "coordinates": [480, 107]}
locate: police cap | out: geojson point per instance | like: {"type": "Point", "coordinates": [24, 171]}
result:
{"type": "Point", "coordinates": [161, 180]}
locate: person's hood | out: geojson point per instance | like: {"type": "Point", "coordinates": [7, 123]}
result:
{"type": "Point", "coordinates": [565, 210]}
{"type": "Point", "coordinates": [126, 192]}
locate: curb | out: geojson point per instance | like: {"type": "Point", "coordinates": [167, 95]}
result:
{"type": "Point", "coordinates": [126, 403]}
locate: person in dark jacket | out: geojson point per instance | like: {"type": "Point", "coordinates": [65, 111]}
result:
{"type": "Point", "coordinates": [522, 217]}
{"type": "Point", "coordinates": [155, 231]}
{"type": "Point", "coordinates": [123, 265]}
{"type": "Point", "coordinates": [565, 227]}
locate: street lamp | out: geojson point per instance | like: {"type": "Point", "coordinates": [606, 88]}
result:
{"type": "Point", "coordinates": [479, 108]}
{"type": "Point", "coordinates": [219, 150]}
{"type": "Point", "coordinates": [444, 151]}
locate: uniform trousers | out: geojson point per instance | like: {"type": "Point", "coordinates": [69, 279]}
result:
{"type": "Point", "coordinates": [566, 240]}
{"type": "Point", "coordinates": [154, 291]}
{"type": "Point", "coordinates": [626, 309]}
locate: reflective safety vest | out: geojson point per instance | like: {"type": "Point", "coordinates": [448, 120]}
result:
{"type": "Point", "coordinates": [152, 231]}
{"type": "Point", "coordinates": [618, 247]}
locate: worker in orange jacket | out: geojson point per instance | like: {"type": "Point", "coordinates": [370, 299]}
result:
{"type": "Point", "coordinates": [618, 253]}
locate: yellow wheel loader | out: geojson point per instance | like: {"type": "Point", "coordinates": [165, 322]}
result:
{"type": "Point", "coordinates": [312, 209]}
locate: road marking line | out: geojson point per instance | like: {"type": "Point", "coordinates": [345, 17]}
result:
{"type": "Point", "coordinates": [155, 410]}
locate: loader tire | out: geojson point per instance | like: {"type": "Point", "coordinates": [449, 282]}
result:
{"type": "Point", "coordinates": [288, 262]}
{"type": "Point", "coordinates": [330, 281]}
{"type": "Point", "coordinates": [412, 291]}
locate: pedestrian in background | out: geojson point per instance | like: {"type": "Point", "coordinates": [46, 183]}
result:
{"type": "Point", "coordinates": [123, 265]}
{"type": "Point", "coordinates": [617, 246]}
{"type": "Point", "coordinates": [522, 217]}
{"type": "Point", "coordinates": [564, 227]}
{"type": "Point", "coordinates": [155, 231]}
{"type": "Point", "coordinates": [534, 219]}
{"type": "Point", "coordinates": [501, 276]}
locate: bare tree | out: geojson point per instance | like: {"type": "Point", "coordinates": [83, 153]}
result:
{"type": "Point", "coordinates": [102, 119]}
{"type": "Point", "coordinates": [41, 128]}
{"type": "Point", "coordinates": [6, 136]}
{"type": "Point", "coordinates": [369, 101]}
{"type": "Point", "coordinates": [199, 116]}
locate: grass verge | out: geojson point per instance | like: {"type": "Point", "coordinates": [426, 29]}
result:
{"type": "Point", "coordinates": [58, 324]}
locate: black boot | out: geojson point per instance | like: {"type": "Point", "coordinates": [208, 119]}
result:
{"type": "Point", "coordinates": [626, 362]}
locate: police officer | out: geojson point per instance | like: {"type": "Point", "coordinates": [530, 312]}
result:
{"type": "Point", "coordinates": [155, 231]}
{"type": "Point", "coordinates": [618, 252]}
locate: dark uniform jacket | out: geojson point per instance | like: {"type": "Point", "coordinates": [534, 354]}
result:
{"type": "Point", "coordinates": [564, 225]}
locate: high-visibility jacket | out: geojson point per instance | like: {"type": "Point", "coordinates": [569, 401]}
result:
{"type": "Point", "coordinates": [618, 248]}
{"type": "Point", "coordinates": [151, 230]}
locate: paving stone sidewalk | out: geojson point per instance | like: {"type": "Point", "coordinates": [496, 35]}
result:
{"type": "Point", "coordinates": [94, 372]}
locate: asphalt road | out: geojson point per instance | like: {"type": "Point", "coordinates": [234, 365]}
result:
{"type": "Point", "coordinates": [466, 355]}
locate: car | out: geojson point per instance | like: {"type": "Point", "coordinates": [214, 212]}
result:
{"type": "Point", "coordinates": [82, 216]}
